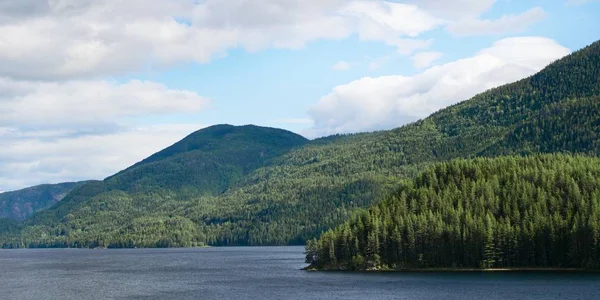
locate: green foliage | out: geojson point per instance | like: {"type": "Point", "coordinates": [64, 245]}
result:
{"type": "Point", "coordinates": [8, 225]}
{"type": "Point", "coordinates": [205, 163]}
{"type": "Point", "coordinates": [572, 125]}
{"type": "Point", "coordinates": [538, 211]}
{"type": "Point", "coordinates": [18, 205]}
{"type": "Point", "coordinates": [255, 186]}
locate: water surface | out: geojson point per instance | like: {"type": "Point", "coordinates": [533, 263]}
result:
{"type": "Point", "coordinates": [253, 273]}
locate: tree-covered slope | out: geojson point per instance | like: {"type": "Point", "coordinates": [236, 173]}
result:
{"type": "Point", "coordinates": [317, 186]}
{"type": "Point", "coordinates": [298, 194]}
{"type": "Point", "coordinates": [507, 212]}
{"type": "Point", "coordinates": [18, 205]}
{"type": "Point", "coordinates": [208, 161]}
{"type": "Point", "coordinates": [572, 125]}
{"type": "Point", "coordinates": [205, 163]}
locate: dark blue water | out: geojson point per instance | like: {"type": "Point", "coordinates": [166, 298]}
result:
{"type": "Point", "coordinates": [253, 273]}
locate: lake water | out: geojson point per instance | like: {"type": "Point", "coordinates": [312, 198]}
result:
{"type": "Point", "coordinates": [253, 273]}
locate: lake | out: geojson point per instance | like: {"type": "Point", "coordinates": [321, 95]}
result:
{"type": "Point", "coordinates": [253, 273]}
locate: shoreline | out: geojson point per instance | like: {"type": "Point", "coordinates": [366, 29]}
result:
{"type": "Point", "coordinates": [459, 270]}
{"type": "Point", "coordinates": [116, 248]}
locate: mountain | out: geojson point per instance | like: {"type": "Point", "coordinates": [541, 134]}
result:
{"type": "Point", "coordinates": [203, 164]}
{"type": "Point", "coordinates": [211, 159]}
{"type": "Point", "coordinates": [18, 205]}
{"type": "Point", "coordinates": [507, 212]}
{"type": "Point", "coordinates": [211, 195]}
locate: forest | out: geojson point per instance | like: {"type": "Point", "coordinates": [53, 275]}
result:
{"type": "Point", "coordinates": [507, 212]}
{"type": "Point", "coordinates": [250, 185]}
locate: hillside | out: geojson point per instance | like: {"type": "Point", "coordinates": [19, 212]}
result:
{"type": "Point", "coordinates": [18, 205]}
{"type": "Point", "coordinates": [208, 161]}
{"type": "Point", "coordinates": [293, 195]}
{"type": "Point", "coordinates": [507, 212]}
{"type": "Point", "coordinates": [317, 186]}
{"type": "Point", "coordinates": [205, 163]}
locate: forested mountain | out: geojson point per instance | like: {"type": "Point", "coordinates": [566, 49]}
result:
{"type": "Point", "coordinates": [203, 164]}
{"type": "Point", "coordinates": [292, 195]}
{"type": "Point", "coordinates": [18, 205]}
{"type": "Point", "coordinates": [208, 161]}
{"type": "Point", "coordinates": [537, 211]}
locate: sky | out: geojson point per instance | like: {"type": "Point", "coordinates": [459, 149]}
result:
{"type": "Point", "coordinates": [89, 87]}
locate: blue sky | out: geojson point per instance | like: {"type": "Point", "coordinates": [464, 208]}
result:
{"type": "Point", "coordinates": [273, 86]}
{"type": "Point", "coordinates": [114, 88]}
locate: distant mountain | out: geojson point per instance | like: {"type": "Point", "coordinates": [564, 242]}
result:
{"type": "Point", "coordinates": [253, 186]}
{"type": "Point", "coordinates": [18, 205]}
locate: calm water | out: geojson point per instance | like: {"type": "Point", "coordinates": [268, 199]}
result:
{"type": "Point", "coordinates": [252, 273]}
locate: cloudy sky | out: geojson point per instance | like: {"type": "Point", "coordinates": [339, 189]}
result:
{"type": "Point", "coordinates": [88, 87]}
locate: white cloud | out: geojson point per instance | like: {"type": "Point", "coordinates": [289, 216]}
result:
{"type": "Point", "coordinates": [383, 20]}
{"type": "Point", "coordinates": [454, 9]}
{"type": "Point", "coordinates": [505, 24]}
{"type": "Point", "coordinates": [342, 66]}
{"type": "Point", "coordinates": [463, 17]}
{"type": "Point", "coordinates": [27, 160]}
{"type": "Point", "coordinates": [71, 39]}
{"type": "Point", "coordinates": [391, 101]}
{"type": "Point", "coordinates": [83, 38]}
{"type": "Point", "coordinates": [425, 59]}
{"type": "Point", "coordinates": [89, 102]}
{"type": "Point", "coordinates": [391, 23]}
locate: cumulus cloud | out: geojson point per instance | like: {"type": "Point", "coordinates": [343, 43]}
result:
{"type": "Point", "coordinates": [463, 17]}
{"type": "Point", "coordinates": [379, 17]}
{"type": "Point", "coordinates": [425, 59]}
{"type": "Point", "coordinates": [89, 102]}
{"type": "Point", "coordinates": [104, 37]}
{"type": "Point", "coordinates": [82, 38]}
{"type": "Point", "coordinates": [454, 9]}
{"type": "Point", "coordinates": [391, 101]}
{"type": "Point", "coordinates": [70, 39]}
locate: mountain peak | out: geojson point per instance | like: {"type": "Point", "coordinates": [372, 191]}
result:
{"type": "Point", "coordinates": [222, 136]}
